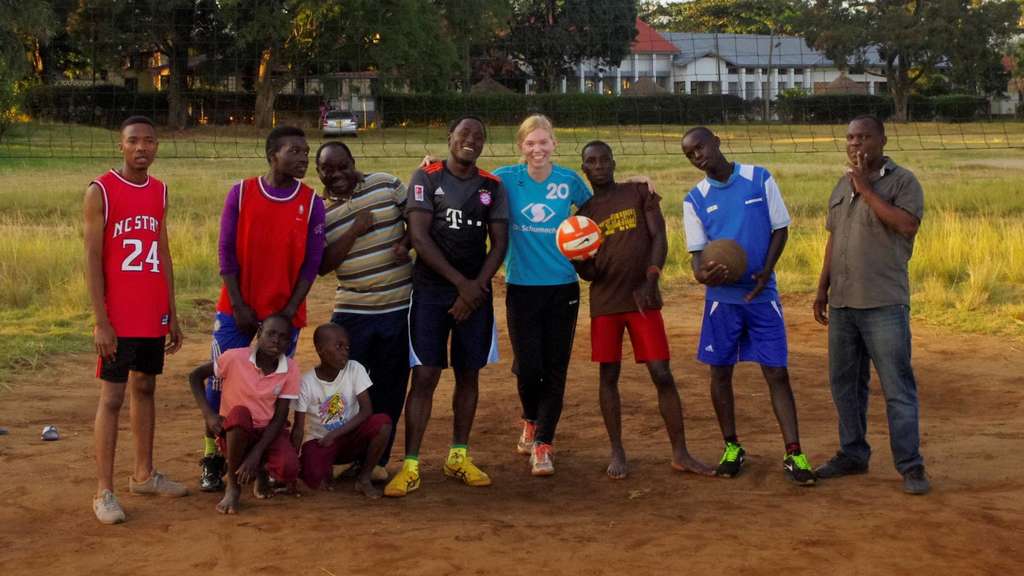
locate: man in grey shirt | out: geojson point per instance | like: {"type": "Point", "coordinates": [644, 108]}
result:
{"type": "Point", "coordinates": [864, 299]}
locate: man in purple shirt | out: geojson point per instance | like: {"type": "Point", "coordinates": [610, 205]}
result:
{"type": "Point", "coordinates": [268, 222]}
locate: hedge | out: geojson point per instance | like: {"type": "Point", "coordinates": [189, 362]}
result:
{"type": "Point", "coordinates": [835, 108]}
{"type": "Point", "coordinates": [563, 109]}
{"type": "Point", "coordinates": [107, 105]}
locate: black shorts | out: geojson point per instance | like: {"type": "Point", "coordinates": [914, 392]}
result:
{"type": "Point", "coordinates": [474, 340]}
{"type": "Point", "coordinates": [144, 355]}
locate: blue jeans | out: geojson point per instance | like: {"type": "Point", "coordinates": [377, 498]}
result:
{"type": "Point", "coordinates": [881, 335]}
{"type": "Point", "coordinates": [380, 342]}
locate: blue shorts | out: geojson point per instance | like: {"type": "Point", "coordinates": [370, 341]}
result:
{"type": "Point", "coordinates": [474, 340]}
{"type": "Point", "coordinates": [734, 333]}
{"type": "Point", "coordinates": [226, 336]}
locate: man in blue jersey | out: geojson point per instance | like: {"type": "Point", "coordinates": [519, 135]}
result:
{"type": "Point", "coordinates": [742, 320]}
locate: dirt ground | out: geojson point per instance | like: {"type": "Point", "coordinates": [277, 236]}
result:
{"type": "Point", "coordinates": [578, 522]}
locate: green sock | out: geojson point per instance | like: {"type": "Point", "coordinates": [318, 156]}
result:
{"type": "Point", "coordinates": [412, 463]}
{"type": "Point", "coordinates": [209, 446]}
{"type": "Point", "coordinates": [457, 449]}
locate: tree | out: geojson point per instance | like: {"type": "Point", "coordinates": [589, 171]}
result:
{"type": "Point", "coordinates": [21, 30]}
{"type": "Point", "coordinates": [407, 41]}
{"type": "Point", "coordinates": [262, 29]}
{"type": "Point", "coordinates": [1013, 62]}
{"type": "Point", "coordinates": [975, 53]}
{"type": "Point", "coordinates": [912, 38]}
{"type": "Point", "coordinates": [473, 26]}
{"type": "Point", "coordinates": [550, 36]}
{"type": "Point", "coordinates": [727, 16]}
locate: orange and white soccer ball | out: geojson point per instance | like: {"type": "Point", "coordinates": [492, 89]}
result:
{"type": "Point", "coordinates": [578, 238]}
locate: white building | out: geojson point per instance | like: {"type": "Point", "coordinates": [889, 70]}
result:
{"type": "Point", "coordinates": [747, 65]}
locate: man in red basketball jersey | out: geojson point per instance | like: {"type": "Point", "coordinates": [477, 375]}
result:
{"type": "Point", "coordinates": [271, 244]}
{"type": "Point", "coordinates": [131, 285]}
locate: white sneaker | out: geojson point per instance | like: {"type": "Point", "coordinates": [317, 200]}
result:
{"type": "Point", "coordinates": [540, 460]}
{"type": "Point", "coordinates": [159, 485]}
{"type": "Point", "coordinates": [108, 510]}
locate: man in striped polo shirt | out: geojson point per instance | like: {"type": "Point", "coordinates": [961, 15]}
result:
{"type": "Point", "coordinates": [368, 250]}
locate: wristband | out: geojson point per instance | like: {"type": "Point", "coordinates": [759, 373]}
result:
{"type": "Point", "coordinates": [654, 269]}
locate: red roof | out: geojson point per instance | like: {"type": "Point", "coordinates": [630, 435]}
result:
{"type": "Point", "coordinates": [648, 41]}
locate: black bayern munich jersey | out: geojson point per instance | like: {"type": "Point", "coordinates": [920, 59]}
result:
{"type": "Point", "coordinates": [461, 210]}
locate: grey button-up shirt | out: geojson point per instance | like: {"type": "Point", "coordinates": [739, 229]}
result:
{"type": "Point", "coordinates": [869, 260]}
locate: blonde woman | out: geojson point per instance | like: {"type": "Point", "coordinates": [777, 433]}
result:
{"type": "Point", "coordinates": [543, 292]}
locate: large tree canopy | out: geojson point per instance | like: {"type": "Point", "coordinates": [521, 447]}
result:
{"type": "Point", "coordinates": [552, 35]}
{"type": "Point", "coordinates": [913, 38]}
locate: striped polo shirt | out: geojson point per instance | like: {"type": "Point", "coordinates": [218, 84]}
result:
{"type": "Point", "coordinates": [370, 279]}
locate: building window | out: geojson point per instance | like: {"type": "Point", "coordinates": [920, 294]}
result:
{"type": "Point", "coordinates": [680, 88]}
{"type": "Point", "coordinates": [798, 71]}
{"type": "Point", "coordinates": [751, 70]}
{"type": "Point", "coordinates": [734, 88]}
{"type": "Point", "coordinates": [705, 88]}
{"type": "Point", "coordinates": [750, 90]}
{"type": "Point", "coordinates": [731, 70]}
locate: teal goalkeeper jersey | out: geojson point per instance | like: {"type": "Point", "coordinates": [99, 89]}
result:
{"type": "Point", "coordinates": [535, 211]}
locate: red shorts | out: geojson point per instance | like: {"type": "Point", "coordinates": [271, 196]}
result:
{"type": "Point", "coordinates": [646, 332]}
{"type": "Point", "coordinates": [316, 460]}
{"type": "Point", "coordinates": [279, 459]}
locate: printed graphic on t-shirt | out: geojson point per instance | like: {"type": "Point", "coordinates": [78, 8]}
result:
{"type": "Point", "coordinates": [621, 221]}
{"type": "Point", "coordinates": [332, 412]}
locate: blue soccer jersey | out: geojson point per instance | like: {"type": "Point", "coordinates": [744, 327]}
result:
{"type": "Point", "coordinates": [535, 211]}
{"type": "Point", "coordinates": [747, 208]}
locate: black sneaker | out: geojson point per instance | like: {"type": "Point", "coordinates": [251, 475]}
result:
{"type": "Point", "coordinates": [212, 477]}
{"type": "Point", "coordinates": [798, 469]}
{"type": "Point", "coordinates": [731, 461]}
{"type": "Point", "coordinates": [840, 465]}
{"type": "Point", "coordinates": [915, 481]}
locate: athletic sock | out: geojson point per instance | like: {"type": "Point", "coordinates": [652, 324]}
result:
{"type": "Point", "coordinates": [792, 448]}
{"type": "Point", "coordinates": [732, 439]}
{"type": "Point", "coordinates": [209, 446]}
{"type": "Point", "coordinates": [411, 463]}
{"type": "Point", "coordinates": [457, 449]}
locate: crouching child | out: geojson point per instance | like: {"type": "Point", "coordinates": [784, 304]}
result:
{"type": "Point", "coordinates": [258, 385]}
{"type": "Point", "coordinates": [343, 427]}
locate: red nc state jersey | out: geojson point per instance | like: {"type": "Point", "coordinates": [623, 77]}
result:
{"type": "Point", "coordinates": [134, 277]}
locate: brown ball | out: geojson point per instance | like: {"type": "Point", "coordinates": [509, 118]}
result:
{"type": "Point", "coordinates": [729, 252]}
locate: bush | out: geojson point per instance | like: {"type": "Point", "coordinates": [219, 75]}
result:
{"type": "Point", "coordinates": [107, 105]}
{"type": "Point", "coordinates": [831, 108]}
{"type": "Point", "coordinates": [563, 109]}
{"type": "Point", "coordinates": [960, 107]}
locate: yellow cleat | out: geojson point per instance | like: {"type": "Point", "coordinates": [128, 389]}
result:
{"type": "Point", "coordinates": [407, 480]}
{"type": "Point", "coordinates": [461, 466]}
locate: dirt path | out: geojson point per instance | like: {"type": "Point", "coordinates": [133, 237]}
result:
{"type": "Point", "coordinates": [577, 522]}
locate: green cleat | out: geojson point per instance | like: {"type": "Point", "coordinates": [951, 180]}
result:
{"type": "Point", "coordinates": [732, 460]}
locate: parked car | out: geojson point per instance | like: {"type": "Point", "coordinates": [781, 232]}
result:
{"type": "Point", "coordinates": [338, 123]}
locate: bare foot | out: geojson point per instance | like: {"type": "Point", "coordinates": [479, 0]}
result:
{"type": "Point", "coordinates": [366, 488]}
{"type": "Point", "coordinates": [261, 488]}
{"type": "Point", "coordinates": [618, 468]}
{"type": "Point", "coordinates": [691, 464]}
{"type": "Point", "coordinates": [229, 504]}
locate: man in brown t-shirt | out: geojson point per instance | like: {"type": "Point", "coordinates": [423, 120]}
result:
{"type": "Point", "coordinates": [624, 295]}
{"type": "Point", "coordinates": [864, 299]}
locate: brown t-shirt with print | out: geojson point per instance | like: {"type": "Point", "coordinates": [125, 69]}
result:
{"type": "Point", "coordinates": [621, 263]}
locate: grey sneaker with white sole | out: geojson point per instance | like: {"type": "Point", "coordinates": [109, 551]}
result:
{"type": "Point", "coordinates": [108, 510]}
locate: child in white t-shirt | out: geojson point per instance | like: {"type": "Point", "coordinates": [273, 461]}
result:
{"type": "Point", "coordinates": [342, 427]}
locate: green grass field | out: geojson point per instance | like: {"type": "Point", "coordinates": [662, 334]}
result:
{"type": "Point", "coordinates": [967, 271]}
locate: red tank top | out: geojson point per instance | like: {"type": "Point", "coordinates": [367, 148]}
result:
{"type": "Point", "coordinates": [271, 246]}
{"type": "Point", "coordinates": [134, 279]}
